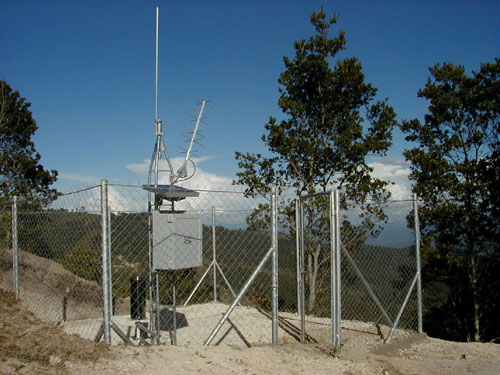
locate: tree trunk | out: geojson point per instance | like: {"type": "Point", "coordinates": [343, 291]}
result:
{"type": "Point", "coordinates": [312, 271]}
{"type": "Point", "coordinates": [475, 299]}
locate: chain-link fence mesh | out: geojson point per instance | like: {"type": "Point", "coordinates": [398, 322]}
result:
{"type": "Point", "coordinates": [214, 246]}
{"type": "Point", "coordinates": [203, 254]}
{"type": "Point", "coordinates": [316, 242]}
{"type": "Point", "coordinates": [378, 265]}
{"type": "Point", "coordinates": [6, 256]}
{"type": "Point", "coordinates": [60, 258]}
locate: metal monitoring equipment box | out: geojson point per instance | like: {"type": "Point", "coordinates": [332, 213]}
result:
{"type": "Point", "coordinates": [177, 241]}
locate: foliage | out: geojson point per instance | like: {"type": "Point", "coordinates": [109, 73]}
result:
{"type": "Point", "coordinates": [85, 261]}
{"type": "Point", "coordinates": [455, 169]}
{"type": "Point", "coordinates": [332, 124]}
{"type": "Point", "coordinates": [5, 225]}
{"type": "Point", "coordinates": [322, 141]}
{"type": "Point", "coordinates": [20, 169]}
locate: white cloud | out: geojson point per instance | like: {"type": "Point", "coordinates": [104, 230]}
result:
{"type": "Point", "coordinates": [140, 169]}
{"type": "Point", "coordinates": [395, 170]}
{"type": "Point", "coordinates": [200, 178]}
{"type": "Point", "coordinates": [78, 178]}
{"type": "Point", "coordinates": [214, 190]}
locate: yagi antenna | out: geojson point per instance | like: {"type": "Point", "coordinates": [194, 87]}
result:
{"type": "Point", "coordinates": [160, 151]}
{"type": "Point", "coordinates": [182, 171]}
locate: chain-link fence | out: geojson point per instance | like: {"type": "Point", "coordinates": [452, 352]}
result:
{"type": "Point", "coordinates": [59, 252]}
{"type": "Point", "coordinates": [378, 265]}
{"type": "Point", "coordinates": [203, 254]}
{"type": "Point", "coordinates": [199, 270]}
{"type": "Point", "coordinates": [7, 263]}
{"type": "Point", "coordinates": [61, 266]}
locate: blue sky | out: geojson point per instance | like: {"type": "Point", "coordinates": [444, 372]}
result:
{"type": "Point", "coordinates": [87, 67]}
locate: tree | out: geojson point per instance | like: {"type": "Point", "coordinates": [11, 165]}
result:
{"type": "Point", "coordinates": [332, 124]}
{"type": "Point", "coordinates": [85, 261]}
{"type": "Point", "coordinates": [455, 174]}
{"type": "Point", "coordinates": [21, 173]}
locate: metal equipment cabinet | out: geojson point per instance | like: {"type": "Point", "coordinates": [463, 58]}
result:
{"type": "Point", "coordinates": [177, 241]}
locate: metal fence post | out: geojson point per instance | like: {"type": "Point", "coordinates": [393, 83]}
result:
{"type": "Point", "coordinates": [105, 262]}
{"type": "Point", "coordinates": [15, 250]}
{"type": "Point", "coordinates": [297, 250]}
{"type": "Point", "coordinates": [417, 256]}
{"type": "Point", "coordinates": [302, 289]}
{"type": "Point", "coordinates": [274, 232]}
{"type": "Point", "coordinates": [336, 311]}
{"type": "Point", "coordinates": [214, 254]}
{"type": "Point", "coordinates": [110, 266]}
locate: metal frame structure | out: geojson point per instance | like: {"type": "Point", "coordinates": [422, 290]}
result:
{"type": "Point", "coordinates": [417, 279]}
{"type": "Point", "coordinates": [157, 193]}
{"type": "Point", "coordinates": [335, 290]}
{"type": "Point", "coordinates": [358, 267]}
{"type": "Point", "coordinates": [336, 248]}
{"type": "Point", "coordinates": [214, 266]}
{"type": "Point", "coordinates": [15, 250]}
{"type": "Point", "coordinates": [107, 323]}
{"type": "Point", "coordinates": [271, 253]}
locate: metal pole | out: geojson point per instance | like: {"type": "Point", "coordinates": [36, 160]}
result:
{"type": "Point", "coordinates": [110, 269]}
{"type": "Point", "coordinates": [238, 298]}
{"type": "Point", "coordinates": [174, 308]}
{"type": "Point", "coordinates": [105, 255]}
{"type": "Point", "coordinates": [366, 284]}
{"type": "Point", "coordinates": [198, 284]}
{"type": "Point", "coordinates": [417, 256]}
{"type": "Point", "coordinates": [297, 250]}
{"type": "Point", "coordinates": [157, 310]}
{"type": "Point", "coordinates": [337, 339]}
{"type": "Point", "coordinates": [15, 250]}
{"type": "Point", "coordinates": [150, 260]}
{"type": "Point", "coordinates": [333, 286]}
{"type": "Point", "coordinates": [302, 292]}
{"type": "Point", "coordinates": [156, 67]}
{"type": "Point", "coordinates": [225, 280]}
{"type": "Point", "coordinates": [274, 235]}
{"type": "Point", "coordinates": [157, 164]}
{"type": "Point", "coordinates": [214, 254]}
{"type": "Point", "coordinates": [401, 310]}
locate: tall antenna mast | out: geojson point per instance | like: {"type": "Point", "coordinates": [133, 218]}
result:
{"type": "Point", "coordinates": [156, 70]}
{"type": "Point", "coordinates": [160, 151]}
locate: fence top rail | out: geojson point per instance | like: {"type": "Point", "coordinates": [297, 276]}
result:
{"type": "Point", "coordinates": [79, 190]}
{"type": "Point", "coordinates": [220, 189]}
{"type": "Point", "coordinates": [321, 193]}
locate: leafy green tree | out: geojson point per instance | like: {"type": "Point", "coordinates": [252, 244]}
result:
{"type": "Point", "coordinates": [333, 122]}
{"type": "Point", "coordinates": [455, 173]}
{"type": "Point", "coordinates": [85, 260]}
{"type": "Point", "coordinates": [21, 173]}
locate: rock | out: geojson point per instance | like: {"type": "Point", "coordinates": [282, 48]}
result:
{"type": "Point", "coordinates": [54, 360]}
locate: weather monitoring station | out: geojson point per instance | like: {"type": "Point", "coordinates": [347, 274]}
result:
{"type": "Point", "coordinates": [175, 237]}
